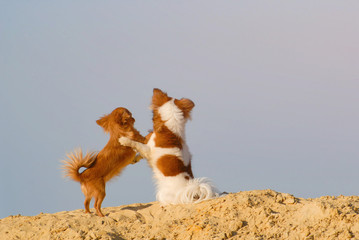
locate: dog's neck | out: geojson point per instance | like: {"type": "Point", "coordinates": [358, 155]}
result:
{"type": "Point", "coordinates": [173, 118]}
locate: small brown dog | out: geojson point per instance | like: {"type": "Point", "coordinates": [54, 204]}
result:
{"type": "Point", "coordinates": [109, 162]}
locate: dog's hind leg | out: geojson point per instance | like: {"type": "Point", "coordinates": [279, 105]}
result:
{"type": "Point", "coordinates": [88, 197]}
{"type": "Point", "coordinates": [87, 204]}
{"type": "Point", "coordinates": [100, 196]}
{"type": "Point", "coordinates": [98, 202]}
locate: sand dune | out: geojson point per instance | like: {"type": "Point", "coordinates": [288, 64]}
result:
{"type": "Point", "coordinates": [263, 214]}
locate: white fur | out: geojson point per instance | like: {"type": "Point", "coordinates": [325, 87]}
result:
{"type": "Point", "coordinates": [173, 189]}
{"type": "Point", "coordinates": [173, 118]}
{"type": "Point", "coordinates": [177, 189]}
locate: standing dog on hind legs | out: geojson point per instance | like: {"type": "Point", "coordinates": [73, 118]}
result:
{"type": "Point", "coordinates": [168, 155]}
{"type": "Point", "coordinates": [108, 163]}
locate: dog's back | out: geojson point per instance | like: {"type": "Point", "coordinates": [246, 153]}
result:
{"type": "Point", "coordinates": [171, 157]}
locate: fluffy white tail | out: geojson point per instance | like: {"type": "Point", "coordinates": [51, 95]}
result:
{"type": "Point", "coordinates": [197, 190]}
{"type": "Point", "coordinates": [176, 191]}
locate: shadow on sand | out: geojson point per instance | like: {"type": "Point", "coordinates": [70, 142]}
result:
{"type": "Point", "coordinates": [137, 207]}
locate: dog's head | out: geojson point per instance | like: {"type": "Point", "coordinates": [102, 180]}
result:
{"type": "Point", "coordinates": [170, 111]}
{"type": "Point", "coordinates": [118, 121]}
{"type": "Point", "coordinates": [160, 98]}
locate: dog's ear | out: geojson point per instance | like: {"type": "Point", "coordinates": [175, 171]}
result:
{"type": "Point", "coordinates": [186, 105]}
{"type": "Point", "coordinates": [104, 122]}
{"type": "Point", "coordinates": [159, 98]}
{"type": "Point", "coordinates": [123, 118]}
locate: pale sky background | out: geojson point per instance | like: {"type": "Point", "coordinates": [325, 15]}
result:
{"type": "Point", "coordinates": [275, 83]}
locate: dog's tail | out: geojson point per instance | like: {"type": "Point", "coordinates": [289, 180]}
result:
{"type": "Point", "coordinates": [75, 160]}
{"type": "Point", "coordinates": [198, 190]}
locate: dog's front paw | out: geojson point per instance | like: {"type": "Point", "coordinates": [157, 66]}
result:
{"type": "Point", "coordinates": [137, 158]}
{"type": "Point", "coordinates": [125, 141]}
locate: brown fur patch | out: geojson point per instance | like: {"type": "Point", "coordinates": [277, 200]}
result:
{"type": "Point", "coordinates": [159, 98]}
{"type": "Point", "coordinates": [171, 166]}
{"type": "Point", "coordinates": [148, 136]}
{"type": "Point", "coordinates": [167, 139]}
{"type": "Point", "coordinates": [186, 105]}
{"type": "Point", "coordinates": [189, 170]}
{"type": "Point", "coordinates": [158, 124]}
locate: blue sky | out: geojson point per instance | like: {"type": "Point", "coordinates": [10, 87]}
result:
{"type": "Point", "coordinates": [275, 85]}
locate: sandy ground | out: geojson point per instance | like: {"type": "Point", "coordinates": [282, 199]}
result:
{"type": "Point", "coordinates": [263, 214]}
